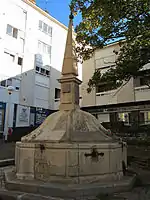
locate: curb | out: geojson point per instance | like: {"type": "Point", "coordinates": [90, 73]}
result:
{"type": "Point", "coordinates": [7, 162]}
{"type": "Point", "coordinates": [64, 191]}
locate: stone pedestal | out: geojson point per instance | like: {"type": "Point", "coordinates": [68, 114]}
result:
{"type": "Point", "coordinates": [72, 163]}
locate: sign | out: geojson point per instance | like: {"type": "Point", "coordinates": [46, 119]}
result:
{"type": "Point", "coordinates": [2, 115]}
{"type": "Point", "coordinates": [23, 116]}
{"type": "Point", "coordinates": [41, 115]}
{"type": "Point", "coordinates": [32, 116]}
{"type": "Point", "coordinates": [1, 120]}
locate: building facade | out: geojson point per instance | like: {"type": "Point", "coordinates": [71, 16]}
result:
{"type": "Point", "coordinates": [122, 104]}
{"type": "Point", "coordinates": [32, 45]}
{"type": "Point", "coordinates": [30, 40]}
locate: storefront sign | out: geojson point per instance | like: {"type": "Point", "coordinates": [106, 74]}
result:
{"type": "Point", "coordinates": [32, 116]}
{"type": "Point", "coordinates": [23, 116]}
{"type": "Point", "coordinates": [2, 116]}
{"type": "Point", "coordinates": [41, 115]}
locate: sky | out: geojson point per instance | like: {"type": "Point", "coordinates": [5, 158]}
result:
{"type": "Point", "coordinates": [58, 9]}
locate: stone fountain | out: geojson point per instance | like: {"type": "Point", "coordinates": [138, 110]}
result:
{"type": "Point", "coordinates": [70, 148]}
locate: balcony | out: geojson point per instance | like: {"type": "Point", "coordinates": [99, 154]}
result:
{"type": "Point", "coordinates": [142, 93]}
{"type": "Point", "coordinates": [108, 97]}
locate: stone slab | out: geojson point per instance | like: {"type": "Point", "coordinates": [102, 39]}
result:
{"type": "Point", "coordinates": [68, 190]}
{"type": "Point", "coordinates": [11, 195]}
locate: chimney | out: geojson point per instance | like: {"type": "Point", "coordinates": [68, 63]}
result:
{"type": "Point", "coordinates": [33, 1]}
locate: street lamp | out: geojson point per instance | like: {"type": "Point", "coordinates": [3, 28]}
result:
{"type": "Point", "coordinates": [10, 90]}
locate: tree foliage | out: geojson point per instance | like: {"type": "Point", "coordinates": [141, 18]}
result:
{"type": "Point", "coordinates": [104, 21]}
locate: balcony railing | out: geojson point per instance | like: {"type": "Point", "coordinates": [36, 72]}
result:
{"type": "Point", "coordinates": [142, 88]}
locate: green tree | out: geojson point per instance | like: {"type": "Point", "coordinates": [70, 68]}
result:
{"type": "Point", "coordinates": [104, 21]}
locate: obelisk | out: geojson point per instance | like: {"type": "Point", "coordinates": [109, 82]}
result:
{"type": "Point", "coordinates": [69, 99]}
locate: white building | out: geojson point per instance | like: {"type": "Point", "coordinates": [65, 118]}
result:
{"type": "Point", "coordinates": [32, 45]}
{"type": "Point", "coordinates": [30, 39]}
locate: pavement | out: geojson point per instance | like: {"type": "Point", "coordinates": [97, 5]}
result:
{"type": "Point", "coordinates": [7, 150]}
{"type": "Point", "coordinates": [139, 193]}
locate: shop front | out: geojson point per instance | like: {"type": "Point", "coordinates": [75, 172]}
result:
{"type": "Point", "coordinates": [2, 117]}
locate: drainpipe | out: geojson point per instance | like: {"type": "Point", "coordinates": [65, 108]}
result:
{"type": "Point", "coordinates": [25, 28]}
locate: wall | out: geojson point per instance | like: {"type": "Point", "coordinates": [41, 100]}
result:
{"type": "Point", "coordinates": [41, 94]}
{"type": "Point", "coordinates": [27, 89]}
{"type": "Point", "coordinates": [55, 75]}
{"type": "Point", "coordinates": [4, 96]}
{"type": "Point", "coordinates": [9, 43]}
{"type": "Point", "coordinates": [103, 59]}
{"type": "Point", "coordinates": [142, 93]}
{"type": "Point", "coordinates": [29, 33]}
{"type": "Point", "coordinates": [88, 69]}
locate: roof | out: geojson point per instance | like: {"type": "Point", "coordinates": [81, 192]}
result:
{"type": "Point", "coordinates": [145, 67]}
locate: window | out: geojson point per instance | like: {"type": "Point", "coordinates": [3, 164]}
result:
{"type": "Point", "coordinates": [3, 83]}
{"type": "Point", "coordinates": [9, 82]}
{"type": "Point", "coordinates": [47, 72]}
{"type": "Point", "coordinates": [42, 71]}
{"type": "Point", "coordinates": [6, 83]}
{"type": "Point", "coordinates": [12, 31]}
{"type": "Point", "coordinates": [144, 117]}
{"type": "Point", "coordinates": [45, 28]}
{"type": "Point", "coordinates": [40, 24]}
{"type": "Point", "coordinates": [57, 93]}
{"type": "Point", "coordinates": [50, 31]}
{"type": "Point", "coordinates": [44, 48]}
{"type": "Point", "coordinates": [124, 117]}
{"type": "Point", "coordinates": [142, 81]}
{"type": "Point", "coordinates": [15, 33]}
{"type": "Point", "coordinates": [37, 69]}
{"type": "Point", "coordinates": [9, 30]}
{"type": "Point", "coordinates": [48, 49]}
{"type": "Point", "coordinates": [20, 60]}
{"type": "Point", "coordinates": [39, 45]}
{"type": "Point", "coordinates": [145, 80]}
{"type": "Point", "coordinates": [17, 88]}
{"type": "Point", "coordinates": [104, 88]}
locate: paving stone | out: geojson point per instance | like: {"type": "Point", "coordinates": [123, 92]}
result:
{"type": "Point", "coordinates": [7, 195]}
{"type": "Point", "coordinates": [8, 150]}
{"type": "Point", "coordinates": [37, 197]}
